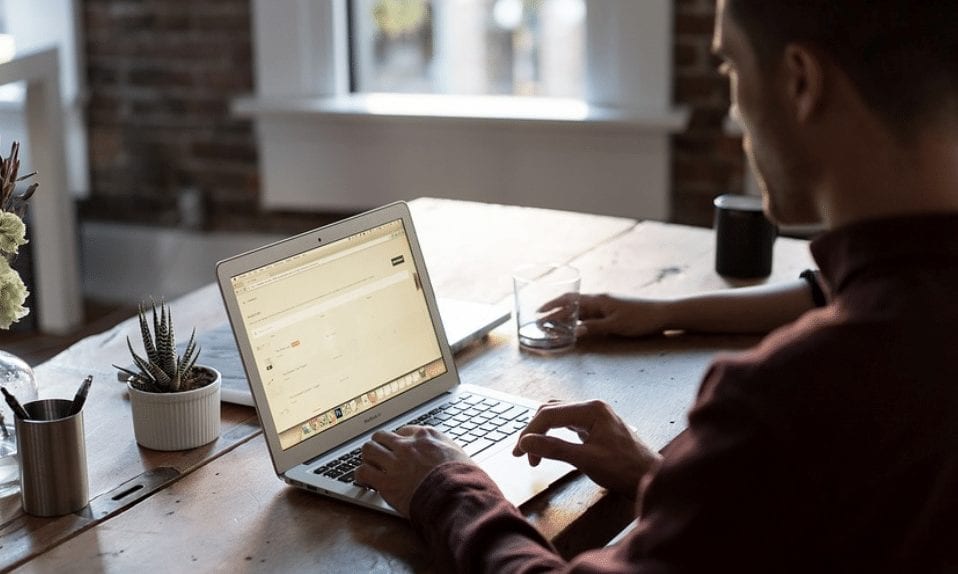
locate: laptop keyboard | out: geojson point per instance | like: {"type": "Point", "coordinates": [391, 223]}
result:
{"type": "Point", "coordinates": [474, 422]}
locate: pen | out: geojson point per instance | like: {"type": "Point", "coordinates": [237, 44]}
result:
{"type": "Point", "coordinates": [15, 405]}
{"type": "Point", "coordinates": [80, 397]}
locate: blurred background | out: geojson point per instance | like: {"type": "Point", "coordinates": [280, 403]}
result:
{"type": "Point", "coordinates": [195, 130]}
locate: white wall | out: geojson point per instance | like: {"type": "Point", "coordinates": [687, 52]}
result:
{"type": "Point", "coordinates": [318, 162]}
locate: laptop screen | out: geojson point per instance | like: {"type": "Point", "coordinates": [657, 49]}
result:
{"type": "Point", "coordinates": [338, 329]}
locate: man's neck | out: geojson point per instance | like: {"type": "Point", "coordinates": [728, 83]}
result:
{"type": "Point", "coordinates": [896, 179]}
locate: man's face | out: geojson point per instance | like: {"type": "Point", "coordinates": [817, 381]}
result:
{"type": "Point", "coordinates": [772, 141]}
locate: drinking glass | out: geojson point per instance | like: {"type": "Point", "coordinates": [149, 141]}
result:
{"type": "Point", "coordinates": [547, 306]}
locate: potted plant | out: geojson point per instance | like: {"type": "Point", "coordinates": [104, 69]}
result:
{"type": "Point", "coordinates": [175, 402]}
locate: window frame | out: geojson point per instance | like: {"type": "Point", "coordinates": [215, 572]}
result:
{"type": "Point", "coordinates": [316, 139]}
{"type": "Point", "coordinates": [303, 50]}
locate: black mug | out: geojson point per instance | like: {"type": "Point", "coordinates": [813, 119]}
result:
{"type": "Point", "coordinates": [743, 237]}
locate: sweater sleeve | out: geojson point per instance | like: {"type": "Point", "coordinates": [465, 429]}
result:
{"type": "Point", "coordinates": [470, 527]}
{"type": "Point", "coordinates": [710, 502]}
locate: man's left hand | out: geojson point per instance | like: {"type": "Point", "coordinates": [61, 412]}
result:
{"type": "Point", "coordinates": [395, 463]}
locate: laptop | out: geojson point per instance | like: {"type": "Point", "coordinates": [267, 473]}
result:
{"type": "Point", "coordinates": [465, 323]}
{"type": "Point", "coordinates": [340, 335]}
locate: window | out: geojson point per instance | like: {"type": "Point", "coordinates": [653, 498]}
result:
{"type": "Point", "coordinates": [601, 120]}
{"type": "Point", "coordinates": [469, 47]}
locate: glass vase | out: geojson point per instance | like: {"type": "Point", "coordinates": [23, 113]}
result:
{"type": "Point", "coordinates": [17, 377]}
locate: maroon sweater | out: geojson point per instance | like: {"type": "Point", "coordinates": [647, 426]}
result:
{"type": "Point", "coordinates": [831, 446]}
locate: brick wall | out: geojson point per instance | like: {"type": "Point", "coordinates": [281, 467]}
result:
{"type": "Point", "coordinates": [706, 162]}
{"type": "Point", "coordinates": [161, 76]}
{"type": "Point", "coordinates": [162, 73]}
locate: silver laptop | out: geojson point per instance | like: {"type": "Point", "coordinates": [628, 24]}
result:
{"type": "Point", "coordinates": [465, 323]}
{"type": "Point", "coordinates": [340, 336]}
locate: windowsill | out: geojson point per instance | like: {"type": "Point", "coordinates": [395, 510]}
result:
{"type": "Point", "coordinates": [496, 109]}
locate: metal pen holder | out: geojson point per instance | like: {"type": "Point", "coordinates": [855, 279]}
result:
{"type": "Point", "coordinates": [52, 450]}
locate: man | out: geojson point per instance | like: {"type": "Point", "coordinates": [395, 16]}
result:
{"type": "Point", "coordinates": [833, 445]}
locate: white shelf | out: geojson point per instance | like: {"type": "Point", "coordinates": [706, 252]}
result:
{"type": "Point", "coordinates": [501, 109]}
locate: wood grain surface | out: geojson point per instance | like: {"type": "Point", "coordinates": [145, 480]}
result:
{"type": "Point", "coordinates": [221, 507]}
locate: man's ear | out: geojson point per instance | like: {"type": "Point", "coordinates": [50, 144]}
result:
{"type": "Point", "coordinates": [804, 81]}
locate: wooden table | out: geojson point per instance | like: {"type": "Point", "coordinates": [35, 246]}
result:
{"type": "Point", "coordinates": [221, 507]}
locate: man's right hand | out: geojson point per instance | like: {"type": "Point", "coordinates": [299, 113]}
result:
{"type": "Point", "coordinates": [610, 454]}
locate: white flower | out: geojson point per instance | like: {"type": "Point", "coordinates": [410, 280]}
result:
{"type": "Point", "coordinates": [13, 293]}
{"type": "Point", "coordinates": [12, 233]}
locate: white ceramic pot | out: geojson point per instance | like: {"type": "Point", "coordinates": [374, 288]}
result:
{"type": "Point", "coordinates": [177, 421]}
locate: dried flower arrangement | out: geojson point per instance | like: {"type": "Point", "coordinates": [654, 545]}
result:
{"type": "Point", "coordinates": [13, 292]}
{"type": "Point", "coordinates": [13, 235]}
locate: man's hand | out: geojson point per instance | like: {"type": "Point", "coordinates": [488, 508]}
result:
{"type": "Point", "coordinates": [610, 454]}
{"type": "Point", "coordinates": [395, 463]}
{"type": "Point", "coordinates": [609, 315]}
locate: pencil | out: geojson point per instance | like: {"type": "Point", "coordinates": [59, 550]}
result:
{"type": "Point", "coordinates": [80, 397]}
{"type": "Point", "coordinates": [15, 405]}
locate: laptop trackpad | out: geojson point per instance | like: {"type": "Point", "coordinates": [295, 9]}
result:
{"type": "Point", "coordinates": [518, 480]}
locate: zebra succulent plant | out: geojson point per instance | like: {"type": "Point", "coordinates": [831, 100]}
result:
{"type": "Point", "coordinates": [163, 370]}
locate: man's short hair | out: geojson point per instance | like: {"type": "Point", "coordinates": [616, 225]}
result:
{"type": "Point", "coordinates": [902, 55]}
